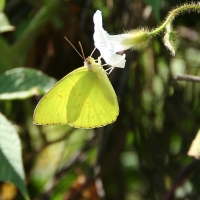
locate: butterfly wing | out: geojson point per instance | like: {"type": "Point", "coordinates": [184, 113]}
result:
{"type": "Point", "coordinates": [52, 107]}
{"type": "Point", "coordinates": [92, 102]}
{"type": "Point", "coordinates": [83, 99]}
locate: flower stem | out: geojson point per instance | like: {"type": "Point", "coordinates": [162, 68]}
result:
{"type": "Point", "coordinates": [172, 14]}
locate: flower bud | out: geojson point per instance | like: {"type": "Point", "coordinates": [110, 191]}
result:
{"type": "Point", "coordinates": [137, 39]}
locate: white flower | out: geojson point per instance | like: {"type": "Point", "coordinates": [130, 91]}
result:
{"type": "Point", "coordinates": [107, 44]}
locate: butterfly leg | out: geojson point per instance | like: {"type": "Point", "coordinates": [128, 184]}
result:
{"type": "Point", "coordinates": [109, 70]}
{"type": "Point", "coordinates": [99, 60]}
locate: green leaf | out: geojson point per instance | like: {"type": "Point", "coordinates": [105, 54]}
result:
{"type": "Point", "coordinates": [11, 168]}
{"type": "Point", "coordinates": [21, 83]}
{"type": "Point", "coordinates": [170, 39]}
{"type": "Point", "coordinates": [155, 4]}
{"type": "Point", "coordinates": [4, 23]}
{"type": "Point", "coordinates": [2, 5]}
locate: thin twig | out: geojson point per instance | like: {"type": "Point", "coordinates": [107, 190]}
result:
{"type": "Point", "coordinates": [184, 77]}
{"type": "Point", "coordinates": [183, 175]}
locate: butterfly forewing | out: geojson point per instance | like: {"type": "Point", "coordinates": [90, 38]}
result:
{"type": "Point", "coordinates": [52, 107]}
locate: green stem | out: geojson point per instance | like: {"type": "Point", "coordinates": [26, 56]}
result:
{"type": "Point", "coordinates": [173, 14]}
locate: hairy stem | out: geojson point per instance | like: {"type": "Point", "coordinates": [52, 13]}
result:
{"type": "Point", "coordinates": [172, 14]}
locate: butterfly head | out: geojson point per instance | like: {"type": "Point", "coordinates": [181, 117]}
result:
{"type": "Point", "coordinates": [89, 61]}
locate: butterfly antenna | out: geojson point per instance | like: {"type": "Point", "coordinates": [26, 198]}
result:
{"type": "Point", "coordinates": [82, 50]}
{"type": "Point", "coordinates": [93, 51]}
{"type": "Point", "coordinates": [74, 48]}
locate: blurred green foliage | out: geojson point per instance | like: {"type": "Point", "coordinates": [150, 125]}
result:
{"type": "Point", "coordinates": [143, 155]}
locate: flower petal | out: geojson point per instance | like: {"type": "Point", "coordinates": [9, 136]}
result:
{"type": "Point", "coordinates": [108, 45]}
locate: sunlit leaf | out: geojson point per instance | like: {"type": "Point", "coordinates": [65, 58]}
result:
{"type": "Point", "coordinates": [21, 83]}
{"type": "Point", "coordinates": [177, 66]}
{"type": "Point", "coordinates": [11, 168]}
{"type": "Point", "coordinates": [195, 147]}
{"type": "Point", "coordinates": [4, 24]}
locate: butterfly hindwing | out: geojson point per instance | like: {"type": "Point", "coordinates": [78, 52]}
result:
{"type": "Point", "coordinates": [92, 101]}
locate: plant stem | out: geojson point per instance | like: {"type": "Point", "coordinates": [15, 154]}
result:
{"type": "Point", "coordinates": [172, 14]}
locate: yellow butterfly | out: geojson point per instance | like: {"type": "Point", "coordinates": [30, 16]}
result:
{"type": "Point", "coordinates": [84, 98]}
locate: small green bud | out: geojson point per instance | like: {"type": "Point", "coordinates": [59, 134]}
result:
{"type": "Point", "coordinates": [137, 39]}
